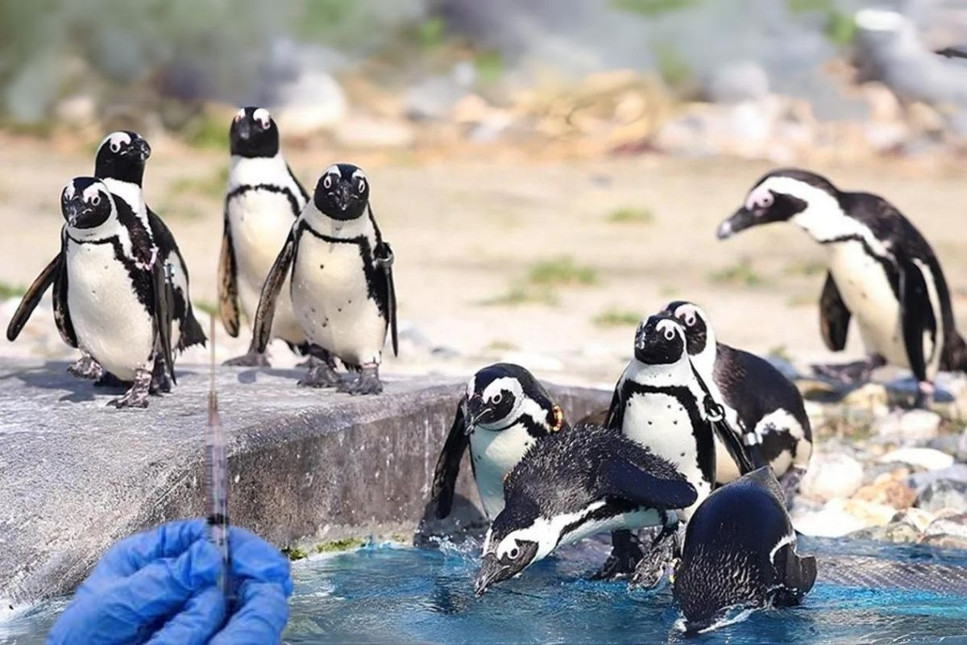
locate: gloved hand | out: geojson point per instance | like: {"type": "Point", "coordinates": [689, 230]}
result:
{"type": "Point", "coordinates": [161, 587]}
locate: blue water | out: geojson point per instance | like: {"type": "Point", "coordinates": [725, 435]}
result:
{"type": "Point", "coordinates": [395, 594]}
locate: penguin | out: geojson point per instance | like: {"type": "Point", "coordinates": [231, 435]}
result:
{"type": "Point", "coordinates": [880, 270]}
{"type": "Point", "coordinates": [571, 485]}
{"type": "Point", "coordinates": [502, 413]}
{"type": "Point", "coordinates": [110, 289]}
{"type": "Point", "coordinates": [341, 284]}
{"type": "Point", "coordinates": [740, 554]}
{"type": "Point", "coordinates": [262, 202]}
{"type": "Point", "coordinates": [659, 403]}
{"type": "Point", "coordinates": [759, 401]}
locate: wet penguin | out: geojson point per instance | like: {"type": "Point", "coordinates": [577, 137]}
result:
{"type": "Point", "coordinates": [262, 202]}
{"type": "Point", "coordinates": [110, 291]}
{"type": "Point", "coordinates": [341, 284]}
{"type": "Point", "coordinates": [740, 554]}
{"type": "Point", "coordinates": [571, 485]}
{"type": "Point", "coordinates": [759, 401]}
{"type": "Point", "coordinates": [880, 270]}
{"type": "Point", "coordinates": [503, 412]}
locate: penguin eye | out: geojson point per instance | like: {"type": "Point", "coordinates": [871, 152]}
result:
{"type": "Point", "coordinates": [327, 181]}
{"type": "Point", "coordinates": [362, 186]}
{"type": "Point", "coordinates": [115, 146]}
{"type": "Point", "coordinates": [513, 553]}
{"type": "Point", "coordinates": [495, 399]}
{"type": "Point", "coordinates": [669, 334]}
{"type": "Point", "coordinates": [95, 200]}
{"type": "Point", "coordinates": [765, 201]}
{"type": "Point", "coordinates": [690, 320]}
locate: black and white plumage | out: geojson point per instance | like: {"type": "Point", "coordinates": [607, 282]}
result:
{"type": "Point", "coordinates": [881, 271]}
{"type": "Point", "coordinates": [110, 290]}
{"type": "Point", "coordinates": [571, 485]}
{"type": "Point", "coordinates": [262, 202]}
{"type": "Point", "coordinates": [760, 403]}
{"type": "Point", "coordinates": [740, 554]}
{"type": "Point", "coordinates": [503, 412]}
{"type": "Point", "coordinates": [341, 284]}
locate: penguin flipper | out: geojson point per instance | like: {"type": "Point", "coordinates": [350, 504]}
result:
{"type": "Point", "coordinates": [448, 464]}
{"type": "Point", "coordinates": [746, 459]}
{"type": "Point", "coordinates": [32, 297]}
{"type": "Point", "coordinates": [795, 575]}
{"type": "Point", "coordinates": [191, 331]}
{"type": "Point", "coordinates": [262, 329]}
{"type": "Point", "coordinates": [162, 303]}
{"type": "Point", "coordinates": [227, 283]}
{"type": "Point", "coordinates": [834, 316]}
{"type": "Point", "coordinates": [916, 315]}
{"type": "Point", "coordinates": [62, 314]}
{"type": "Point", "coordinates": [615, 416]}
{"type": "Point", "coordinates": [386, 290]}
{"type": "Point", "coordinates": [620, 477]}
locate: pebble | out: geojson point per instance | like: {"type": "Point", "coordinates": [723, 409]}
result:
{"type": "Point", "coordinates": [889, 491]}
{"type": "Point", "coordinates": [910, 427]}
{"type": "Point", "coordinates": [926, 458]}
{"type": "Point", "coordinates": [832, 475]}
{"type": "Point", "coordinates": [943, 493]}
{"type": "Point", "coordinates": [957, 472]}
{"type": "Point", "coordinates": [832, 521]}
{"type": "Point", "coordinates": [948, 532]}
{"type": "Point", "coordinates": [872, 396]}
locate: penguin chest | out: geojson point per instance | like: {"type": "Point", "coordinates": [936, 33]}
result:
{"type": "Point", "coordinates": [111, 323]}
{"type": "Point", "coordinates": [494, 455]}
{"type": "Point", "coordinates": [332, 302]}
{"type": "Point", "coordinates": [867, 293]}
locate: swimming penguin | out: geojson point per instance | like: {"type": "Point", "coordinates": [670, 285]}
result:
{"type": "Point", "coordinates": [262, 203]}
{"type": "Point", "coordinates": [341, 284]}
{"type": "Point", "coordinates": [571, 485]}
{"type": "Point", "coordinates": [880, 270]}
{"type": "Point", "coordinates": [740, 554]}
{"type": "Point", "coordinates": [503, 412]}
{"type": "Point", "coordinates": [110, 290]}
{"type": "Point", "coordinates": [659, 403]}
{"type": "Point", "coordinates": [756, 397]}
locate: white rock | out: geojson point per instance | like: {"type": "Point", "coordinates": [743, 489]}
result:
{"type": "Point", "coordinates": [314, 101]}
{"type": "Point", "coordinates": [834, 520]}
{"type": "Point", "coordinates": [739, 81]}
{"type": "Point", "coordinates": [365, 132]}
{"type": "Point", "coordinates": [912, 426]}
{"type": "Point", "coordinates": [832, 476]}
{"type": "Point", "coordinates": [926, 458]}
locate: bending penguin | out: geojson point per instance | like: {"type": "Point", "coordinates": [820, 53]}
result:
{"type": "Point", "coordinates": [110, 291]}
{"type": "Point", "coordinates": [880, 270]}
{"type": "Point", "coordinates": [571, 485]}
{"type": "Point", "coordinates": [503, 412]}
{"type": "Point", "coordinates": [341, 284]}
{"type": "Point", "coordinates": [759, 402]}
{"type": "Point", "coordinates": [262, 202]}
{"type": "Point", "coordinates": [740, 554]}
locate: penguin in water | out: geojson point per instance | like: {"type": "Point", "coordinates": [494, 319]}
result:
{"type": "Point", "coordinates": [880, 270]}
{"type": "Point", "coordinates": [110, 289]}
{"type": "Point", "coordinates": [740, 554]}
{"type": "Point", "coordinates": [571, 485]}
{"type": "Point", "coordinates": [659, 403]}
{"type": "Point", "coordinates": [262, 202]}
{"type": "Point", "coordinates": [759, 401]}
{"type": "Point", "coordinates": [503, 412]}
{"type": "Point", "coordinates": [341, 284]}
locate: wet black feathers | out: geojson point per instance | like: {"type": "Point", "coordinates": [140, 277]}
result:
{"type": "Point", "coordinates": [834, 315]}
{"type": "Point", "coordinates": [448, 464]}
{"type": "Point", "coordinates": [181, 309]}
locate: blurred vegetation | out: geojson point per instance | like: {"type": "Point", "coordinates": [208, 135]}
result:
{"type": "Point", "coordinates": [630, 215]}
{"type": "Point", "coordinates": [617, 318]}
{"type": "Point", "coordinates": [519, 294]}
{"type": "Point", "coordinates": [652, 8]}
{"type": "Point", "coordinates": [840, 28]}
{"type": "Point", "coordinates": [742, 273]}
{"type": "Point", "coordinates": [561, 271]}
{"type": "Point", "coordinates": [8, 290]}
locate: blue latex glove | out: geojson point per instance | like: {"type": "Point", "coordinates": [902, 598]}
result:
{"type": "Point", "coordinates": [161, 587]}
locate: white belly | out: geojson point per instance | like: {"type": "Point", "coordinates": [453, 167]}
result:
{"type": "Point", "coordinates": [494, 455]}
{"type": "Point", "coordinates": [329, 295]}
{"type": "Point", "coordinates": [659, 422]}
{"type": "Point", "coordinates": [866, 292]}
{"type": "Point", "coordinates": [260, 222]}
{"type": "Point", "coordinates": [109, 321]}
{"type": "Point", "coordinates": [631, 521]}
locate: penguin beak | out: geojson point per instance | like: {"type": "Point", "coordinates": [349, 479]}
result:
{"type": "Point", "coordinates": [343, 196]}
{"type": "Point", "coordinates": [474, 412]}
{"type": "Point", "coordinates": [144, 150]}
{"type": "Point", "coordinates": [244, 129]}
{"type": "Point", "coordinates": [71, 211]}
{"type": "Point", "coordinates": [491, 571]}
{"type": "Point", "coordinates": [740, 220]}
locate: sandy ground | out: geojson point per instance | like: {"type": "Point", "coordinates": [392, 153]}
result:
{"type": "Point", "coordinates": [468, 230]}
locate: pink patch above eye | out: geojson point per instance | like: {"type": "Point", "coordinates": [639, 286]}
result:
{"type": "Point", "coordinates": [759, 198]}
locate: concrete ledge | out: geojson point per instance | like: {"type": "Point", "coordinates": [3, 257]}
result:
{"type": "Point", "coordinates": [75, 475]}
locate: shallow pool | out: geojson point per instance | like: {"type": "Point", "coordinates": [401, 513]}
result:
{"type": "Point", "coordinates": [395, 594]}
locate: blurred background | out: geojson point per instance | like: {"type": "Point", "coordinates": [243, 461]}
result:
{"type": "Point", "coordinates": [547, 170]}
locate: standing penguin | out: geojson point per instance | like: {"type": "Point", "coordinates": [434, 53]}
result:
{"type": "Point", "coordinates": [341, 284]}
{"type": "Point", "coordinates": [262, 203]}
{"type": "Point", "coordinates": [571, 485]}
{"type": "Point", "coordinates": [740, 554]}
{"type": "Point", "coordinates": [756, 397]}
{"type": "Point", "coordinates": [504, 411]}
{"type": "Point", "coordinates": [110, 291]}
{"type": "Point", "coordinates": [880, 270]}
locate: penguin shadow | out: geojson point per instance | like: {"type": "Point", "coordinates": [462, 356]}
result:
{"type": "Point", "coordinates": [250, 376]}
{"type": "Point", "coordinates": [52, 375]}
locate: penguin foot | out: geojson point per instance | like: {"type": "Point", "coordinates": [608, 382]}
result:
{"type": "Point", "coordinates": [925, 392]}
{"type": "Point", "coordinates": [850, 373]}
{"type": "Point", "coordinates": [651, 569]}
{"type": "Point", "coordinates": [137, 395]}
{"type": "Point", "coordinates": [624, 558]}
{"type": "Point", "coordinates": [160, 381]}
{"type": "Point", "coordinates": [249, 359]}
{"type": "Point", "coordinates": [321, 375]}
{"type": "Point", "coordinates": [366, 381]}
{"type": "Point", "coordinates": [86, 367]}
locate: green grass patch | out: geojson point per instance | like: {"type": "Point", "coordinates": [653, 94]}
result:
{"type": "Point", "coordinates": [617, 318]}
{"type": "Point", "coordinates": [807, 268]}
{"type": "Point", "coordinates": [742, 274]}
{"type": "Point", "coordinates": [344, 544]}
{"type": "Point", "coordinates": [294, 553]}
{"type": "Point", "coordinates": [652, 8]}
{"type": "Point", "coordinates": [8, 290]}
{"type": "Point", "coordinates": [630, 215]}
{"type": "Point", "coordinates": [212, 185]}
{"type": "Point", "coordinates": [781, 352]}
{"type": "Point", "coordinates": [489, 65]}
{"type": "Point", "coordinates": [561, 271]}
{"type": "Point", "coordinates": [672, 66]}
{"type": "Point", "coordinates": [207, 306]}
{"type": "Point", "coordinates": [207, 131]}
{"type": "Point", "coordinates": [431, 33]}
{"type": "Point", "coordinates": [500, 346]}
{"type": "Point", "coordinates": [840, 28]}
{"type": "Point", "coordinates": [523, 295]}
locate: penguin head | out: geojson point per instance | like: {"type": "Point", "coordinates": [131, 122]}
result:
{"type": "Point", "coordinates": [122, 156]}
{"type": "Point", "coordinates": [254, 133]}
{"type": "Point", "coordinates": [782, 196]}
{"type": "Point", "coordinates": [86, 202]}
{"type": "Point", "coordinates": [698, 334]}
{"type": "Point", "coordinates": [517, 538]}
{"type": "Point", "coordinates": [342, 192]}
{"type": "Point", "coordinates": [660, 340]}
{"type": "Point", "coordinates": [503, 394]}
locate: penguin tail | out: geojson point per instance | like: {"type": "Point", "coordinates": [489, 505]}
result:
{"type": "Point", "coordinates": [954, 357]}
{"type": "Point", "coordinates": [191, 331]}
